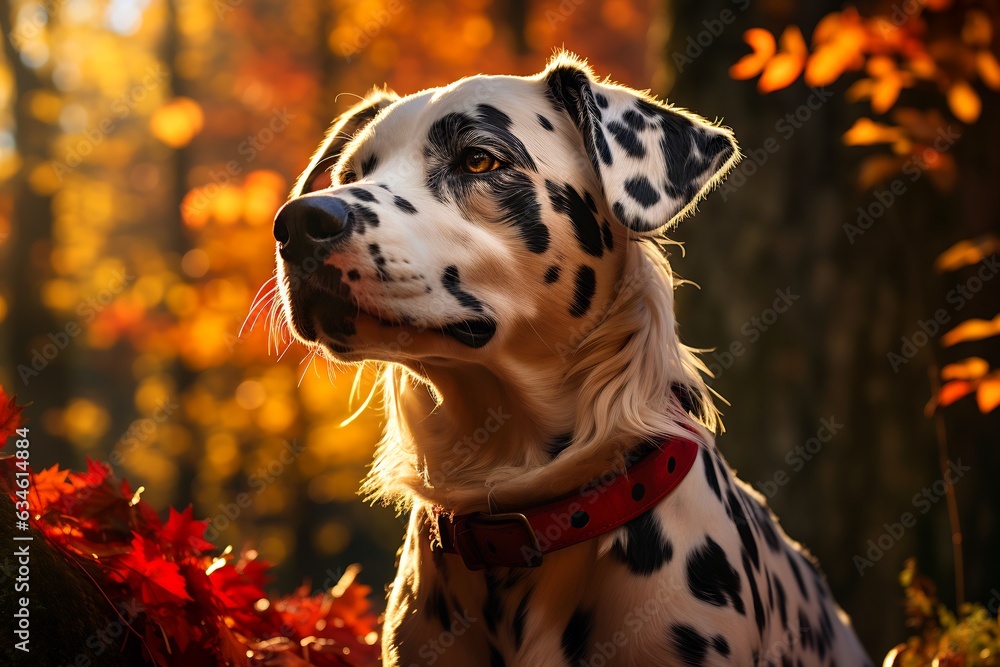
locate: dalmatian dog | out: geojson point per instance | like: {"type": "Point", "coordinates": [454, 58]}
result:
{"type": "Point", "coordinates": [495, 247]}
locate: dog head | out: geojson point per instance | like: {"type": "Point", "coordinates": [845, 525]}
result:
{"type": "Point", "coordinates": [486, 219]}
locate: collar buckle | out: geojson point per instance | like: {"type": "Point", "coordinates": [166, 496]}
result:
{"type": "Point", "coordinates": [491, 540]}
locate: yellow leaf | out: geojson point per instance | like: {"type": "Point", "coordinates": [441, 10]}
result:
{"type": "Point", "coordinates": [865, 132]}
{"type": "Point", "coordinates": [972, 368]}
{"type": "Point", "coordinates": [886, 92]}
{"type": "Point", "coordinates": [972, 330]}
{"type": "Point", "coordinates": [763, 45]}
{"type": "Point", "coordinates": [967, 253]}
{"type": "Point", "coordinates": [988, 394]}
{"type": "Point", "coordinates": [177, 122]}
{"type": "Point", "coordinates": [954, 390]}
{"type": "Point", "coordinates": [988, 69]}
{"type": "Point", "coordinates": [964, 102]}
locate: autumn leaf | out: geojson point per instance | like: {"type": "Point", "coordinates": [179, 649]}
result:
{"type": "Point", "coordinates": [47, 488]}
{"type": "Point", "coordinates": [182, 535]}
{"type": "Point", "coordinates": [972, 330]}
{"type": "Point", "coordinates": [177, 122]}
{"type": "Point", "coordinates": [763, 45]}
{"type": "Point", "coordinates": [988, 394]}
{"type": "Point", "coordinates": [158, 580]}
{"type": "Point", "coordinates": [781, 70]}
{"type": "Point", "coordinates": [972, 368]}
{"type": "Point", "coordinates": [966, 253]}
{"type": "Point", "coordinates": [865, 132]}
{"type": "Point", "coordinates": [964, 102]}
{"type": "Point", "coordinates": [11, 417]}
{"type": "Point", "coordinates": [886, 91]}
{"type": "Point", "coordinates": [988, 69]}
{"type": "Point", "coordinates": [953, 391]}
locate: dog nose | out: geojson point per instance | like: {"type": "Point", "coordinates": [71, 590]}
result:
{"type": "Point", "coordinates": [313, 219]}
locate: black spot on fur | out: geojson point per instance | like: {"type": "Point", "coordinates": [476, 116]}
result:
{"type": "Point", "coordinates": [758, 605]}
{"type": "Point", "coordinates": [362, 194]}
{"type": "Point", "coordinates": [353, 275]}
{"type": "Point", "coordinates": [766, 524]}
{"type": "Point", "coordinates": [559, 443]}
{"type": "Point", "coordinates": [798, 574]}
{"type": "Point", "coordinates": [712, 578]}
{"type": "Point", "coordinates": [546, 123]}
{"type": "Point", "coordinates": [520, 616]}
{"type": "Point", "coordinates": [453, 284]}
{"type": "Point", "coordinates": [648, 548]}
{"type": "Point", "coordinates": [602, 101]}
{"type": "Point", "coordinates": [437, 607]}
{"type": "Point", "coordinates": [576, 636]}
{"type": "Point", "coordinates": [364, 216]}
{"type": "Point", "coordinates": [566, 200]}
{"type": "Point", "coordinates": [376, 252]}
{"type": "Point", "coordinates": [404, 205]}
{"type": "Point", "coordinates": [690, 645]}
{"type": "Point", "coordinates": [517, 199]}
{"type": "Point", "coordinates": [551, 274]}
{"type": "Point", "coordinates": [781, 601]}
{"type": "Point", "coordinates": [369, 164]}
{"type": "Point", "coordinates": [493, 116]}
{"type": "Point", "coordinates": [602, 146]}
{"type": "Point", "coordinates": [641, 190]}
{"type": "Point", "coordinates": [496, 659]}
{"type": "Point", "coordinates": [743, 526]}
{"type": "Point", "coordinates": [627, 139]}
{"type": "Point", "coordinates": [492, 610]}
{"type": "Point", "coordinates": [713, 480]}
{"type": "Point", "coordinates": [720, 644]}
{"type": "Point", "coordinates": [608, 236]}
{"type": "Point", "coordinates": [633, 120]}
{"type": "Point", "coordinates": [584, 288]}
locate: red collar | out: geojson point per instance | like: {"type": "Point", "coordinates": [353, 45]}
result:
{"type": "Point", "coordinates": [520, 539]}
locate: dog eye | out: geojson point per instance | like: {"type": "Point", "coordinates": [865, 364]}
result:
{"type": "Point", "coordinates": [478, 161]}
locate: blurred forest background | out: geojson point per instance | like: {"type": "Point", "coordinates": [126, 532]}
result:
{"type": "Point", "coordinates": [146, 144]}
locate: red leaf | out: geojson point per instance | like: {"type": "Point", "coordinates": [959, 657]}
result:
{"type": "Point", "coordinates": [158, 581]}
{"type": "Point", "coordinates": [11, 418]}
{"type": "Point", "coordinates": [48, 487]}
{"type": "Point", "coordinates": [183, 535]}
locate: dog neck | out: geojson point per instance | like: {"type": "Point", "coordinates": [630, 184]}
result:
{"type": "Point", "coordinates": [471, 437]}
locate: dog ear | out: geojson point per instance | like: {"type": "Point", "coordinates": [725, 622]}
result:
{"type": "Point", "coordinates": [654, 161]}
{"type": "Point", "coordinates": [317, 175]}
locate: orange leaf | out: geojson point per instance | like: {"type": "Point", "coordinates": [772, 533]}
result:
{"type": "Point", "coordinates": [865, 132]}
{"type": "Point", "coordinates": [879, 66]}
{"type": "Point", "coordinates": [826, 65]}
{"type": "Point", "coordinates": [972, 330]}
{"type": "Point", "coordinates": [988, 394]}
{"type": "Point", "coordinates": [859, 90]}
{"type": "Point", "coordinates": [10, 416]}
{"type": "Point", "coordinates": [952, 391]}
{"type": "Point", "coordinates": [785, 67]}
{"type": "Point", "coordinates": [988, 69]}
{"type": "Point", "coordinates": [972, 368]}
{"type": "Point", "coordinates": [886, 92]}
{"type": "Point", "coordinates": [964, 102]}
{"type": "Point", "coordinates": [763, 45]}
{"type": "Point", "coordinates": [878, 169]}
{"type": "Point", "coordinates": [967, 253]}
